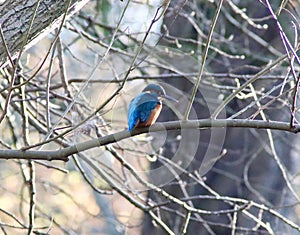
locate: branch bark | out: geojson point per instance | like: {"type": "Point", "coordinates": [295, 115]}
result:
{"type": "Point", "coordinates": [15, 17]}
{"type": "Point", "coordinates": [63, 154]}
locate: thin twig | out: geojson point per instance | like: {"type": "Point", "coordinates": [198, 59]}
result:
{"type": "Point", "coordinates": [203, 60]}
{"type": "Point", "coordinates": [244, 85]}
{"type": "Point", "coordinates": [32, 192]}
{"type": "Point", "coordinates": [186, 222]}
{"type": "Point", "coordinates": [6, 48]}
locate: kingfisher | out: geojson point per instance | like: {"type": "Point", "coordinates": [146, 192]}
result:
{"type": "Point", "coordinates": [145, 108]}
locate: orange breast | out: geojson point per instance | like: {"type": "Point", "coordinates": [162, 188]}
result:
{"type": "Point", "coordinates": [152, 119]}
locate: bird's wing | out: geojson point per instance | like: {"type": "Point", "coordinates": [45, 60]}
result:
{"type": "Point", "coordinates": [140, 109]}
{"type": "Point", "coordinates": [133, 114]}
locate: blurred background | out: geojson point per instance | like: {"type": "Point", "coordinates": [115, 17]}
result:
{"type": "Point", "coordinates": [77, 87]}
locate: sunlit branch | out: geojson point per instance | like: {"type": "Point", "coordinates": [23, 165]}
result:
{"type": "Point", "coordinates": [63, 154]}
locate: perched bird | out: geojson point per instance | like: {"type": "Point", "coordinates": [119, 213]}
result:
{"type": "Point", "coordinates": [145, 108]}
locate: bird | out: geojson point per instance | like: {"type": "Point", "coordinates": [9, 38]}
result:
{"type": "Point", "coordinates": [145, 108]}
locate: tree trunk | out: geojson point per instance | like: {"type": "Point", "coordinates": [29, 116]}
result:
{"type": "Point", "coordinates": [16, 16]}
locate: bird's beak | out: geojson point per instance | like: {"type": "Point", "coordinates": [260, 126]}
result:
{"type": "Point", "coordinates": [170, 98]}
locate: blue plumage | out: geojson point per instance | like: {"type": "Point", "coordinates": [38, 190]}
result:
{"type": "Point", "coordinates": [144, 109]}
{"type": "Point", "coordinates": [140, 109]}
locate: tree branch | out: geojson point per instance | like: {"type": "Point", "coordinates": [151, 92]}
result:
{"type": "Point", "coordinates": [63, 154]}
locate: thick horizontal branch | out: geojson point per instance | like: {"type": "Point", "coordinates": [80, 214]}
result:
{"type": "Point", "coordinates": [63, 154]}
